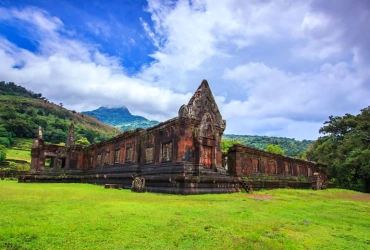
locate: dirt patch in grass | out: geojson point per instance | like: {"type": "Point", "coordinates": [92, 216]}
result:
{"type": "Point", "coordinates": [359, 197]}
{"type": "Point", "coordinates": [353, 197]}
{"type": "Point", "coordinates": [265, 197]}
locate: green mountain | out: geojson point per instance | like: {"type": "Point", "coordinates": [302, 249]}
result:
{"type": "Point", "coordinates": [120, 118]}
{"type": "Point", "coordinates": [23, 111]}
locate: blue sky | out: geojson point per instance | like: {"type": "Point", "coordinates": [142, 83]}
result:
{"type": "Point", "coordinates": [276, 68]}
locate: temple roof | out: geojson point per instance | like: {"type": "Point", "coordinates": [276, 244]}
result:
{"type": "Point", "coordinates": [201, 103]}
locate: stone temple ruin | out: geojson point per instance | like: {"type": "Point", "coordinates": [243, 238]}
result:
{"type": "Point", "coordinates": [179, 156]}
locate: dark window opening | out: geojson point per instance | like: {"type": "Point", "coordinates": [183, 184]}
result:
{"type": "Point", "coordinates": [299, 170]}
{"type": "Point", "coordinates": [128, 154]}
{"type": "Point", "coordinates": [98, 160]}
{"type": "Point", "coordinates": [49, 162]}
{"type": "Point", "coordinates": [52, 161]}
{"type": "Point", "coordinates": [106, 158]}
{"type": "Point", "coordinates": [273, 168]}
{"type": "Point", "coordinates": [116, 156]}
{"type": "Point", "coordinates": [207, 156]}
{"type": "Point", "coordinates": [61, 162]}
{"type": "Point", "coordinates": [149, 155]}
{"type": "Point", "coordinates": [167, 151]}
{"type": "Point", "coordinates": [256, 165]}
{"type": "Point", "coordinates": [287, 168]}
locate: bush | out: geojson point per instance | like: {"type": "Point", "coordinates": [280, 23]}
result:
{"type": "Point", "coordinates": [2, 155]}
{"type": "Point", "coordinates": [83, 141]}
{"type": "Point", "coordinates": [5, 142]}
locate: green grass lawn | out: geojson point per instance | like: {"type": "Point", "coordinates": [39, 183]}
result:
{"type": "Point", "coordinates": [18, 154]}
{"type": "Point", "coordinates": [21, 150]}
{"type": "Point", "coordinates": [83, 216]}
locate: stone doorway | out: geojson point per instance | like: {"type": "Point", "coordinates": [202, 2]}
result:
{"type": "Point", "coordinates": [207, 156]}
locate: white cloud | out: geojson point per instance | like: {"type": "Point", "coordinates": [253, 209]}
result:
{"type": "Point", "coordinates": [305, 98]}
{"type": "Point", "coordinates": [76, 74]}
{"type": "Point", "coordinates": [189, 36]}
{"type": "Point", "coordinates": [37, 17]}
{"type": "Point", "coordinates": [276, 67]}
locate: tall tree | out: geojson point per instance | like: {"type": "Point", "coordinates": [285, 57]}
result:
{"type": "Point", "coordinates": [345, 148]}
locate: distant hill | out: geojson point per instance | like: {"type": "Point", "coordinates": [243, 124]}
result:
{"type": "Point", "coordinates": [120, 118]}
{"type": "Point", "coordinates": [290, 146]}
{"type": "Point", "coordinates": [23, 111]}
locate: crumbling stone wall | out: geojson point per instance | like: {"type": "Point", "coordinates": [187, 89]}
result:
{"type": "Point", "coordinates": [244, 160]}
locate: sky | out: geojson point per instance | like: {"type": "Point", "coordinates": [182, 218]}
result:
{"type": "Point", "coordinates": [276, 68]}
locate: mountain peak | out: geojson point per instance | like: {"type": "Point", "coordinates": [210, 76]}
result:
{"type": "Point", "coordinates": [122, 109]}
{"type": "Point", "coordinates": [120, 117]}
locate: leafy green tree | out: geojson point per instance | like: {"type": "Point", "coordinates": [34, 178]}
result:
{"type": "Point", "coordinates": [55, 136]}
{"type": "Point", "coordinates": [226, 144]}
{"type": "Point", "coordinates": [83, 141]}
{"type": "Point", "coordinates": [22, 128]}
{"type": "Point", "coordinates": [274, 149]}
{"type": "Point", "coordinates": [302, 155]}
{"type": "Point", "coordinates": [8, 113]}
{"type": "Point", "coordinates": [5, 142]}
{"type": "Point", "coordinates": [90, 135]}
{"type": "Point", "coordinates": [2, 154]}
{"type": "Point", "coordinates": [345, 148]}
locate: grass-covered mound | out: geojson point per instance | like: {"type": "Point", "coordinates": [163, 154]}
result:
{"type": "Point", "coordinates": [82, 216]}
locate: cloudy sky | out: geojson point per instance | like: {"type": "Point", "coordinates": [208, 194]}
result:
{"type": "Point", "coordinates": [276, 68]}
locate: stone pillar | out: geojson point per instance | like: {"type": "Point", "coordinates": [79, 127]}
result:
{"type": "Point", "coordinates": [39, 133]}
{"type": "Point", "coordinates": [71, 136]}
{"type": "Point", "coordinates": [37, 155]}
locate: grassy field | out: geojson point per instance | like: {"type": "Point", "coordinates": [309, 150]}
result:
{"type": "Point", "coordinates": [22, 144]}
{"type": "Point", "coordinates": [19, 154]}
{"type": "Point", "coordinates": [20, 150]}
{"type": "Point", "coordinates": [83, 216]}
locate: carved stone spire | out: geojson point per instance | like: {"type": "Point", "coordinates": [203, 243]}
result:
{"type": "Point", "coordinates": [201, 103]}
{"type": "Point", "coordinates": [71, 136]}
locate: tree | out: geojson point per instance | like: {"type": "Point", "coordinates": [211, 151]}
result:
{"type": "Point", "coordinates": [345, 148]}
{"type": "Point", "coordinates": [2, 154]}
{"type": "Point", "coordinates": [83, 141]}
{"type": "Point", "coordinates": [5, 142]}
{"type": "Point", "coordinates": [302, 155]}
{"type": "Point", "coordinates": [274, 149]}
{"type": "Point", "coordinates": [55, 136]}
{"type": "Point", "coordinates": [91, 135]}
{"type": "Point", "coordinates": [226, 144]}
{"type": "Point", "coordinates": [22, 128]}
